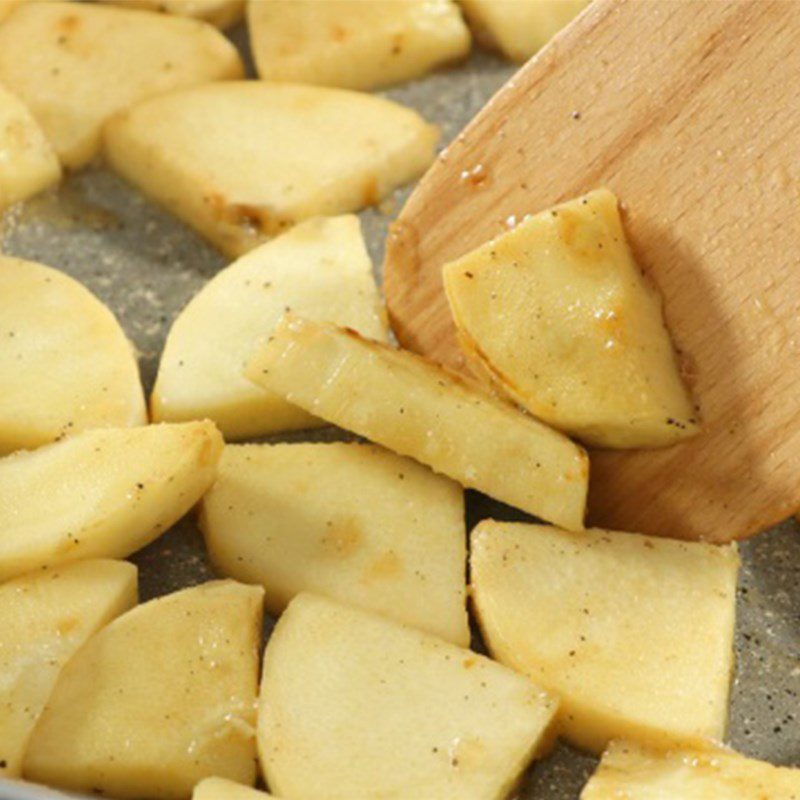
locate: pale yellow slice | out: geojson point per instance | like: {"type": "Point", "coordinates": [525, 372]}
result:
{"type": "Point", "coordinates": [630, 772]}
{"type": "Point", "coordinates": [353, 705]}
{"type": "Point", "coordinates": [28, 163]}
{"type": "Point", "coordinates": [45, 616]}
{"type": "Point", "coordinates": [354, 44]}
{"type": "Point", "coordinates": [518, 28]}
{"type": "Point", "coordinates": [65, 362]}
{"type": "Point", "coordinates": [353, 522]}
{"type": "Point", "coordinates": [221, 789]}
{"type": "Point", "coordinates": [319, 269]}
{"type": "Point", "coordinates": [270, 155]}
{"type": "Point", "coordinates": [557, 315]}
{"type": "Point", "coordinates": [158, 700]}
{"type": "Point", "coordinates": [634, 633]}
{"type": "Point", "coordinates": [101, 494]}
{"type": "Point", "coordinates": [76, 64]}
{"type": "Point", "coordinates": [417, 409]}
{"type": "Point", "coordinates": [222, 13]}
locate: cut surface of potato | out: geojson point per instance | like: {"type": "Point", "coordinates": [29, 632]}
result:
{"type": "Point", "coordinates": [354, 706]}
{"type": "Point", "coordinates": [90, 61]}
{"type": "Point", "coordinates": [556, 315]}
{"type": "Point", "coordinates": [630, 772]}
{"type": "Point", "coordinates": [634, 633]}
{"type": "Point", "coordinates": [518, 28]}
{"type": "Point", "coordinates": [270, 155]}
{"type": "Point", "coordinates": [65, 363]}
{"type": "Point", "coordinates": [221, 789]}
{"type": "Point", "coordinates": [101, 494]}
{"type": "Point", "coordinates": [222, 13]}
{"type": "Point", "coordinates": [45, 616]}
{"type": "Point", "coordinates": [417, 409]}
{"type": "Point", "coordinates": [354, 44]}
{"type": "Point", "coordinates": [319, 269]}
{"type": "Point", "coordinates": [353, 522]}
{"type": "Point", "coordinates": [28, 163]}
{"type": "Point", "coordinates": [161, 698]}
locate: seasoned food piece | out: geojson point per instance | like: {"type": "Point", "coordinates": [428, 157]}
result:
{"type": "Point", "coordinates": [556, 315]}
{"type": "Point", "coordinates": [353, 705]}
{"type": "Point", "coordinates": [270, 155]}
{"type": "Point", "coordinates": [101, 494]}
{"type": "Point", "coordinates": [351, 521]}
{"type": "Point", "coordinates": [518, 28]}
{"type": "Point", "coordinates": [45, 616]}
{"type": "Point", "coordinates": [319, 269]}
{"type": "Point", "coordinates": [28, 163]}
{"type": "Point", "coordinates": [65, 363]}
{"type": "Point", "coordinates": [221, 789]}
{"type": "Point", "coordinates": [222, 13]}
{"type": "Point", "coordinates": [158, 700]}
{"type": "Point", "coordinates": [77, 64]}
{"type": "Point", "coordinates": [634, 773]}
{"type": "Point", "coordinates": [417, 409]}
{"type": "Point", "coordinates": [634, 633]}
{"type": "Point", "coordinates": [354, 44]}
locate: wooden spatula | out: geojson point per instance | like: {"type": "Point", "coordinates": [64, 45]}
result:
{"type": "Point", "coordinates": [689, 110]}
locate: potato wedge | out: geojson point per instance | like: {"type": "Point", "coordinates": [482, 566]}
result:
{"type": "Point", "coordinates": [558, 317]}
{"type": "Point", "coordinates": [636, 773]}
{"type": "Point", "coordinates": [45, 616]}
{"type": "Point", "coordinates": [28, 163]}
{"type": "Point", "coordinates": [354, 44]}
{"type": "Point", "coordinates": [353, 705]}
{"type": "Point", "coordinates": [270, 155]}
{"type": "Point", "coordinates": [620, 599]}
{"type": "Point", "coordinates": [89, 62]}
{"type": "Point", "coordinates": [158, 700]}
{"type": "Point", "coordinates": [65, 364]}
{"type": "Point", "coordinates": [320, 269]}
{"type": "Point", "coordinates": [353, 522]}
{"type": "Point", "coordinates": [101, 494]}
{"type": "Point", "coordinates": [221, 789]}
{"type": "Point", "coordinates": [518, 28]}
{"type": "Point", "coordinates": [222, 13]}
{"type": "Point", "coordinates": [417, 409]}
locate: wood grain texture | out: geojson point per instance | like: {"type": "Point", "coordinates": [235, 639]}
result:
{"type": "Point", "coordinates": [689, 110]}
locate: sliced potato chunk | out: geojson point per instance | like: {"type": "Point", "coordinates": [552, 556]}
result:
{"type": "Point", "coordinates": [45, 616]}
{"type": "Point", "coordinates": [351, 521]}
{"type": "Point", "coordinates": [634, 773]}
{"type": "Point", "coordinates": [417, 409]}
{"type": "Point", "coordinates": [353, 705]}
{"type": "Point", "coordinates": [102, 493]}
{"type": "Point", "coordinates": [65, 363]}
{"type": "Point", "coordinates": [518, 28]}
{"type": "Point", "coordinates": [557, 316]}
{"type": "Point", "coordinates": [220, 789]}
{"type": "Point", "coordinates": [222, 13]}
{"type": "Point", "coordinates": [354, 44]}
{"type": "Point", "coordinates": [319, 269]}
{"type": "Point", "coordinates": [158, 700]}
{"type": "Point", "coordinates": [643, 645]}
{"type": "Point", "coordinates": [28, 163]}
{"type": "Point", "coordinates": [89, 62]}
{"type": "Point", "coordinates": [270, 155]}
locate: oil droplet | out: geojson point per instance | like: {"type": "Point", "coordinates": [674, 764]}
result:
{"type": "Point", "coordinates": [475, 176]}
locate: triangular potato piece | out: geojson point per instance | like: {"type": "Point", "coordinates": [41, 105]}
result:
{"type": "Point", "coordinates": [320, 269]}
{"type": "Point", "coordinates": [418, 409]}
{"type": "Point", "coordinates": [270, 155]}
{"type": "Point", "coordinates": [158, 700]}
{"type": "Point", "coordinates": [221, 789]}
{"type": "Point", "coordinates": [222, 13]}
{"type": "Point", "coordinates": [634, 633]}
{"type": "Point", "coordinates": [65, 363]}
{"type": "Point", "coordinates": [354, 44]}
{"type": "Point", "coordinates": [558, 316]}
{"type": "Point", "coordinates": [89, 62]}
{"type": "Point", "coordinates": [353, 705]}
{"type": "Point", "coordinates": [518, 28]}
{"type": "Point", "coordinates": [45, 616]}
{"type": "Point", "coordinates": [28, 163]}
{"type": "Point", "coordinates": [101, 494]}
{"type": "Point", "coordinates": [632, 772]}
{"type": "Point", "coordinates": [353, 522]}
